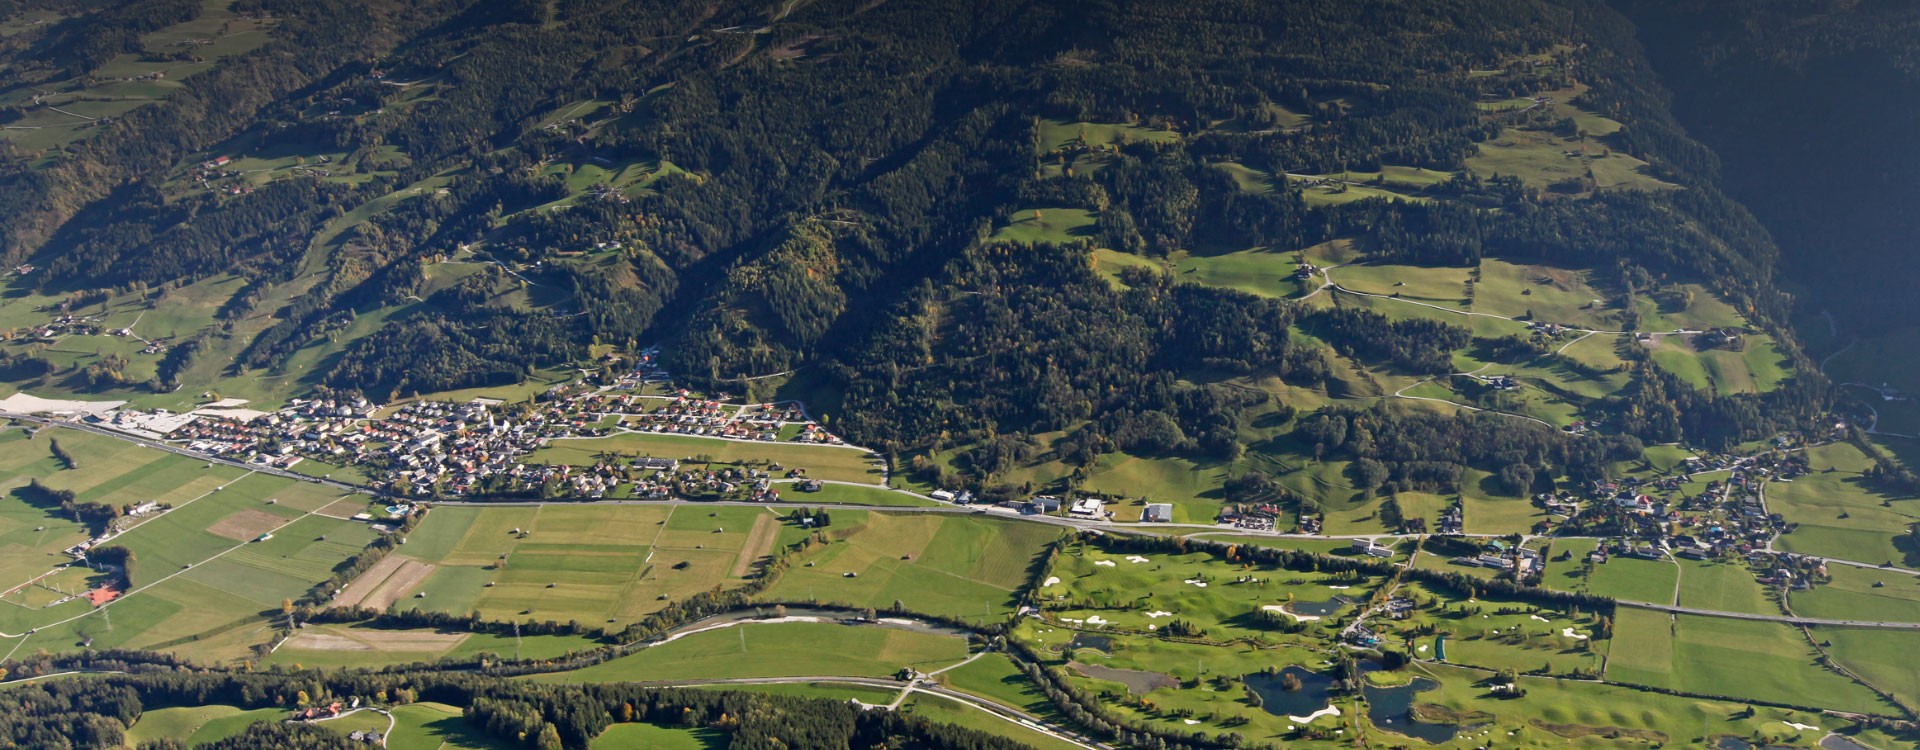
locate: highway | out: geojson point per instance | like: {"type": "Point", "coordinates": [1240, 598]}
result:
{"type": "Point", "coordinates": [1769, 618]}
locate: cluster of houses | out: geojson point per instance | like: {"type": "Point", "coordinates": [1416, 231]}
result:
{"type": "Point", "coordinates": [687, 415]}
{"type": "Point", "coordinates": [68, 325]}
{"type": "Point", "coordinates": [1262, 517]}
{"type": "Point", "coordinates": [1498, 555]}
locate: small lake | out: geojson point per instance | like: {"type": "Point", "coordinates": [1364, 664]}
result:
{"type": "Point", "coordinates": [1276, 699]}
{"type": "Point", "coordinates": [1391, 709]}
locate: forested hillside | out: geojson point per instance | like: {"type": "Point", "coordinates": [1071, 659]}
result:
{"type": "Point", "coordinates": [1805, 102]}
{"type": "Point", "coordinates": [921, 208]}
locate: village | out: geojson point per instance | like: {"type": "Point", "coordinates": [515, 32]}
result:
{"type": "Point", "coordinates": [446, 449]}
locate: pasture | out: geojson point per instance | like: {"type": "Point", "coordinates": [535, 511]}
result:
{"type": "Point", "coordinates": [790, 649]}
{"type": "Point", "coordinates": [1887, 659]}
{"type": "Point", "coordinates": [947, 564]}
{"type": "Point", "coordinates": [1047, 224]}
{"type": "Point", "coordinates": [437, 726]}
{"type": "Point", "coordinates": [197, 725]}
{"type": "Point", "coordinates": [643, 736]}
{"type": "Point", "coordinates": [1861, 594]}
{"type": "Point", "coordinates": [1838, 513]}
{"type": "Point", "coordinates": [592, 563]}
{"type": "Point", "coordinates": [1057, 134]}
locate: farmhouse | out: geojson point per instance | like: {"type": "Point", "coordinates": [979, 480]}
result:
{"type": "Point", "coordinates": [1157, 513]}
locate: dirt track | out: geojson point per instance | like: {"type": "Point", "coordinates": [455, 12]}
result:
{"type": "Point", "coordinates": [759, 542]}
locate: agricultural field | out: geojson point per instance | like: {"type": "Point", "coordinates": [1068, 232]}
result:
{"type": "Point", "coordinates": [203, 576]}
{"type": "Point", "coordinates": [836, 463]}
{"type": "Point", "coordinates": [843, 494]}
{"type": "Point", "coordinates": [1724, 587]}
{"type": "Point", "coordinates": [609, 564]}
{"type": "Point", "coordinates": [1837, 514]}
{"type": "Point", "coordinates": [786, 649]}
{"type": "Point", "coordinates": [1635, 579]}
{"type": "Point", "coordinates": [955, 565]}
{"type": "Point", "coordinates": [1735, 658]}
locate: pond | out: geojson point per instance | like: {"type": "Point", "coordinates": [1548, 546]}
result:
{"type": "Point", "coordinates": [1391, 709]}
{"type": "Point", "coordinates": [1319, 609]}
{"type": "Point", "coordinates": [1838, 742]}
{"type": "Point", "coordinates": [1137, 682]}
{"type": "Point", "coordinates": [1100, 643]}
{"type": "Point", "coordinates": [1730, 742]}
{"type": "Point", "coordinates": [803, 614]}
{"type": "Point", "coordinates": [1276, 699]}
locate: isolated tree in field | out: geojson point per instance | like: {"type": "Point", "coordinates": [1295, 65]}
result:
{"type": "Point", "coordinates": [1517, 479]}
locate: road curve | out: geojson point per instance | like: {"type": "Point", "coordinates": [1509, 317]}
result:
{"type": "Point", "coordinates": [1005, 712]}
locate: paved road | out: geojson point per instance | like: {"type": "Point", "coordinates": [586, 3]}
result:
{"type": "Point", "coordinates": [1078, 524]}
{"type": "Point", "coordinates": [1769, 618]}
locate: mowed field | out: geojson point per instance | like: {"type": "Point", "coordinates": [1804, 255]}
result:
{"type": "Point", "coordinates": [1734, 658]}
{"type": "Point", "coordinates": [592, 563]}
{"type": "Point", "coordinates": [837, 463]}
{"type": "Point", "coordinates": [788, 649]}
{"type": "Point", "coordinates": [937, 563]}
{"type": "Point", "coordinates": [334, 646]}
{"type": "Point", "coordinates": [201, 585]}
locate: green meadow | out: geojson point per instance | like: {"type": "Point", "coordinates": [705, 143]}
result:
{"type": "Point", "coordinates": [954, 565]}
